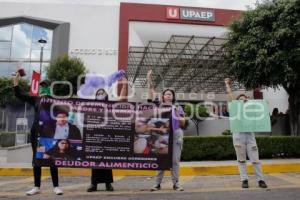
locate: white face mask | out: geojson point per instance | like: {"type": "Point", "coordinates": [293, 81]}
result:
{"type": "Point", "coordinates": [101, 97]}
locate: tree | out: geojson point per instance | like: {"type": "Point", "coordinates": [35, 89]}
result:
{"type": "Point", "coordinates": [264, 50]}
{"type": "Point", "coordinates": [68, 69]}
{"type": "Point", "coordinates": [7, 95]}
{"type": "Point", "coordinates": [197, 114]}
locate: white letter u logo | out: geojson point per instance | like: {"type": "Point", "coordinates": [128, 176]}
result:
{"type": "Point", "coordinates": [173, 12]}
{"type": "Point", "coordinates": [35, 86]}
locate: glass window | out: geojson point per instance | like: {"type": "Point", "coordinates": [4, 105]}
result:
{"type": "Point", "coordinates": [5, 42]}
{"type": "Point", "coordinates": [36, 54]}
{"type": "Point", "coordinates": [5, 45]}
{"type": "Point", "coordinates": [4, 50]}
{"type": "Point", "coordinates": [4, 54]}
{"type": "Point", "coordinates": [19, 42]}
{"type": "Point", "coordinates": [6, 68]}
{"type": "Point", "coordinates": [37, 46]}
{"type": "Point", "coordinates": [5, 33]}
{"type": "Point", "coordinates": [40, 32]}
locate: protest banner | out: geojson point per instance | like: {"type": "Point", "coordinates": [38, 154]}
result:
{"type": "Point", "coordinates": [109, 135]}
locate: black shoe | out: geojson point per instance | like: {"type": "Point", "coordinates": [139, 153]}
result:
{"type": "Point", "coordinates": [262, 184]}
{"type": "Point", "coordinates": [177, 187]}
{"type": "Point", "coordinates": [245, 184]}
{"type": "Point", "coordinates": [92, 188]}
{"type": "Point", "coordinates": [109, 187]}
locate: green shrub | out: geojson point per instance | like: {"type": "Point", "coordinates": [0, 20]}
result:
{"type": "Point", "coordinates": [65, 68]}
{"type": "Point", "coordinates": [7, 139]}
{"type": "Point", "coordinates": [279, 147]}
{"type": "Point", "coordinates": [7, 95]}
{"type": "Point", "coordinates": [227, 132]}
{"type": "Point", "coordinates": [221, 148]}
{"type": "Point", "coordinates": [197, 113]}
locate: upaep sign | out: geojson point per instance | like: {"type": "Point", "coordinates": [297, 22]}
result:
{"type": "Point", "coordinates": [190, 14]}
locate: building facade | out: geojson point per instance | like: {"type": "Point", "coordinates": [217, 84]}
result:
{"type": "Point", "coordinates": [105, 35]}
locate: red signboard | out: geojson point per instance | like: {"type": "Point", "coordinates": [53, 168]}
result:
{"type": "Point", "coordinates": [34, 86]}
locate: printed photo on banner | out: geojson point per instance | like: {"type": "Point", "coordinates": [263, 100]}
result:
{"type": "Point", "coordinates": [60, 123]}
{"type": "Point", "coordinates": [61, 149]}
{"type": "Point", "coordinates": [60, 133]}
{"type": "Point", "coordinates": [152, 136]}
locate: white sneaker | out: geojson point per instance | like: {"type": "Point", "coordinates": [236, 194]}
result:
{"type": "Point", "coordinates": [33, 191]}
{"type": "Point", "coordinates": [57, 191]}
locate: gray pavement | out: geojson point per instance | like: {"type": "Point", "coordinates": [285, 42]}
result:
{"type": "Point", "coordinates": [281, 187]}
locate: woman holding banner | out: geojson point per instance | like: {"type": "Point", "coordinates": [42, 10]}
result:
{"type": "Point", "coordinates": [245, 145]}
{"type": "Point", "coordinates": [106, 175]}
{"type": "Point", "coordinates": [37, 171]}
{"type": "Point", "coordinates": [178, 122]}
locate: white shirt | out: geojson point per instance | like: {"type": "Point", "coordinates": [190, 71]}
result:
{"type": "Point", "coordinates": [61, 132]}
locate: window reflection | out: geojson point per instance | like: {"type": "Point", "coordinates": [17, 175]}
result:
{"type": "Point", "coordinates": [7, 68]}
{"type": "Point", "coordinates": [5, 50]}
{"type": "Point", "coordinates": [5, 33]}
{"type": "Point", "coordinates": [39, 32]}
{"type": "Point", "coordinates": [35, 55]}
{"type": "Point", "coordinates": [19, 42]}
{"type": "Point", "coordinates": [5, 42]}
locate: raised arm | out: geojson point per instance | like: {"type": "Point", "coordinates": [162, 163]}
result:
{"type": "Point", "coordinates": [228, 89]}
{"type": "Point", "coordinates": [19, 93]}
{"type": "Point", "coordinates": [151, 90]}
{"type": "Point", "coordinates": [124, 92]}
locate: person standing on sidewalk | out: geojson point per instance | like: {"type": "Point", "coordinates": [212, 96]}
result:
{"type": "Point", "coordinates": [178, 122]}
{"type": "Point", "coordinates": [245, 145]}
{"type": "Point", "coordinates": [37, 170]}
{"type": "Point", "coordinates": [105, 175]}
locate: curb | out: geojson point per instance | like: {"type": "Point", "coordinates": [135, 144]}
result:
{"type": "Point", "coordinates": [194, 170]}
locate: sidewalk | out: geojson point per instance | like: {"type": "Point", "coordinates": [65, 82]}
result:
{"type": "Point", "coordinates": [202, 168]}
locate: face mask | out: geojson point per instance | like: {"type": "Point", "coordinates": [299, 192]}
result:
{"type": "Point", "coordinates": [44, 91]}
{"type": "Point", "coordinates": [101, 97]}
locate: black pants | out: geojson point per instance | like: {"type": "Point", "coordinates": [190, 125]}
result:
{"type": "Point", "coordinates": [37, 170]}
{"type": "Point", "coordinates": [101, 176]}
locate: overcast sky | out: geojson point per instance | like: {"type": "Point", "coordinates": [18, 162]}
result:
{"type": "Point", "coordinates": [227, 4]}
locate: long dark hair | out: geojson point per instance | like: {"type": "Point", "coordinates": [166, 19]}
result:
{"type": "Point", "coordinates": [173, 93]}
{"type": "Point", "coordinates": [101, 89]}
{"type": "Point", "coordinates": [56, 148]}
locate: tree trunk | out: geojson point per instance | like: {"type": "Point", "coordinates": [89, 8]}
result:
{"type": "Point", "coordinates": [294, 111]}
{"type": "Point", "coordinates": [197, 128]}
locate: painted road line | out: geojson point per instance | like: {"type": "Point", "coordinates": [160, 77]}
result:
{"type": "Point", "coordinates": [76, 186]}
{"type": "Point", "coordinates": [22, 181]}
{"type": "Point", "coordinates": [287, 178]}
{"type": "Point", "coordinates": [292, 167]}
{"type": "Point", "coordinates": [200, 190]}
